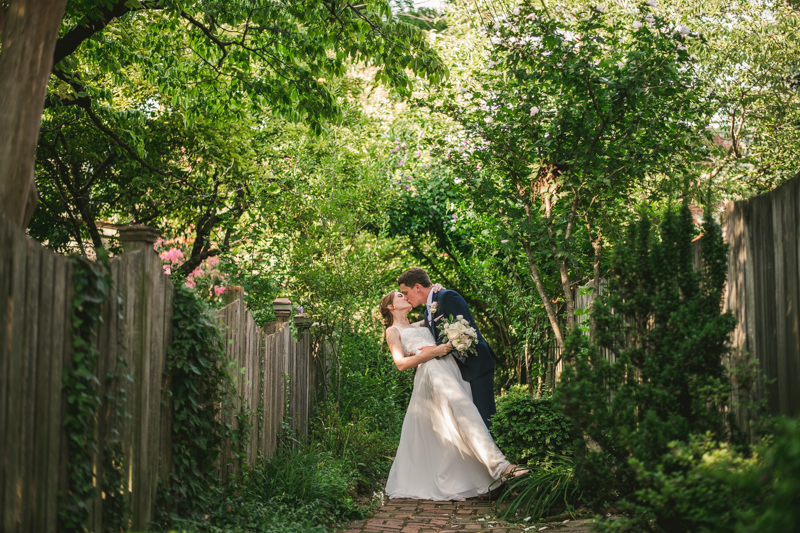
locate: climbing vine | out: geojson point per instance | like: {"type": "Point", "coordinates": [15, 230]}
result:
{"type": "Point", "coordinates": [91, 286]}
{"type": "Point", "coordinates": [114, 482]}
{"type": "Point", "coordinates": [201, 386]}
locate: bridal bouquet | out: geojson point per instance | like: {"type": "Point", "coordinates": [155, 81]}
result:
{"type": "Point", "coordinates": [460, 334]}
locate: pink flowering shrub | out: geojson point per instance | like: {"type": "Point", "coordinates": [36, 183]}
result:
{"type": "Point", "coordinates": [207, 278]}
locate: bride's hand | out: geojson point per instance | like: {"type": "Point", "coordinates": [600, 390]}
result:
{"type": "Point", "coordinates": [441, 349]}
{"type": "Point", "coordinates": [437, 287]}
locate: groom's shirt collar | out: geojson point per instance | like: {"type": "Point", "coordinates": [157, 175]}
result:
{"type": "Point", "coordinates": [429, 301]}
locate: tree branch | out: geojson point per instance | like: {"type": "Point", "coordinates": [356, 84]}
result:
{"type": "Point", "coordinates": [208, 33]}
{"type": "Point", "coordinates": [71, 40]}
{"type": "Point", "coordinates": [108, 131]}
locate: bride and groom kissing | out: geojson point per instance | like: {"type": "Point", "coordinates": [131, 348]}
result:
{"type": "Point", "coordinates": [446, 451]}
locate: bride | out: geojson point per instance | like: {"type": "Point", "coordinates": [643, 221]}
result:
{"type": "Point", "coordinates": [445, 452]}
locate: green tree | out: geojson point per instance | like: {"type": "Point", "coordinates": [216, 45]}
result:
{"type": "Point", "coordinates": [656, 374]}
{"type": "Point", "coordinates": [569, 119]}
{"type": "Point", "coordinates": [144, 80]}
{"type": "Point", "coordinates": [749, 55]}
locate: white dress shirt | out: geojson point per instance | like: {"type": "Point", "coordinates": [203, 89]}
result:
{"type": "Point", "coordinates": [428, 304]}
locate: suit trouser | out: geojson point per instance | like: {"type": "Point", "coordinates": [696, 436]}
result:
{"type": "Point", "coordinates": [483, 396]}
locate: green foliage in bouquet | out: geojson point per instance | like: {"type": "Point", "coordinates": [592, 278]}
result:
{"type": "Point", "coordinates": [529, 429]}
{"type": "Point", "coordinates": [661, 320]}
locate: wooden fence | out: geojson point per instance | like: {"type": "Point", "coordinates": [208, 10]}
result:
{"type": "Point", "coordinates": [762, 292]}
{"type": "Point", "coordinates": [35, 346]}
{"type": "Point", "coordinates": [35, 308]}
{"type": "Point", "coordinates": [133, 341]}
{"type": "Point", "coordinates": [271, 365]}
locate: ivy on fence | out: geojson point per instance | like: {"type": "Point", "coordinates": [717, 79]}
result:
{"type": "Point", "coordinates": [91, 287]}
{"type": "Point", "coordinates": [201, 386]}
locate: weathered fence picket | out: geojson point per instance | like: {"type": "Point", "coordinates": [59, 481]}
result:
{"type": "Point", "coordinates": [763, 290]}
{"type": "Point", "coordinates": [267, 366]}
{"type": "Point", "coordinates": [762, 293]}
{"type": "Point", "coordinates": [35, 340]}
{"type": "Point", "coordinates": [36, 345]}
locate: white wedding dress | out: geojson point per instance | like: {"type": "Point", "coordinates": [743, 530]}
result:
{"type": "Point", "coordinates": [445, 451]}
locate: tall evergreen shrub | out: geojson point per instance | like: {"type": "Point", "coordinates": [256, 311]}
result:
{"type": "Point", "coordinates": [662, 319]}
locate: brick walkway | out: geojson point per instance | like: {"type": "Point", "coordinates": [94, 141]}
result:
{"type": "Point", "coordinates": [423, 516]}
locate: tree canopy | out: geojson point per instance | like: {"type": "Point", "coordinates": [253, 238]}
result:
{"type": "Point", "coordinates": [314, 149]}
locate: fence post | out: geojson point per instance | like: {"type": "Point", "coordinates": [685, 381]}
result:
{"type": "Point", "coordinates": [149, 295]}
{"type": "Point", "coordinates": [233, 293]}
{"type": "Point", "coordinates": [282, 307]}
{"type": "Point", "coordinates": [137, 237]}
{"type": "Point", "coordinates": [305, 370]}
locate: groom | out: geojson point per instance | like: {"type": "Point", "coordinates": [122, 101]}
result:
{"type": "Point", "coordinates": [478, 369]}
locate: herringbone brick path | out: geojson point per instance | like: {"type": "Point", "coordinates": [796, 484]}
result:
{"type": "Point", "coordinates": [473, 516]}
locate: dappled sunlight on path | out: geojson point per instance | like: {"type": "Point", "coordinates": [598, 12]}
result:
{"type": "Point", "coordinates": [474, 515]}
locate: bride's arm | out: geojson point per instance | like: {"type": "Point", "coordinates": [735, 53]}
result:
{"type": "Point", "coordinates": [404, 363]}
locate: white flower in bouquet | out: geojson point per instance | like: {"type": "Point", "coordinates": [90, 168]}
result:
{"type": "Point", "coordinates": [460, 334]}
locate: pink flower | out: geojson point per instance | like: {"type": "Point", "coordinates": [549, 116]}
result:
{"type": "Point", "coordinates": [167, 270]}
{"type": "Point", "coordinates": [212, 261]}
{"type": "Point", "coordinates": [173, 255]}
{"type": "Point", "coordinates": [190, 284]}
{"type": "Point", "coordinates": [219, 291]}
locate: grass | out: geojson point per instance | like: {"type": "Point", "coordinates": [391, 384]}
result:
{"type": "Point", "coordinates": [547, 490]}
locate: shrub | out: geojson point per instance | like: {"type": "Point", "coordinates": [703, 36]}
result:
{"type": "Point", "coordinates": [295, 491]}
{"type": "Point", "coordinates": [529, 430]}
{"type": "Point", "coordinates": [300, 478]}
{"type": "Point", "coordinates": [662, 320]}
{"type": "Point", "coordinates": [372, 388]}
{"type": "Point", "coordinates": [706, 486]}
{"type": "Point", "coordinates": [364, 451]}
{"type": "Point", "coordinates": [201, 389]}
{"type": "Point", "coordinates": [777, 480]}
{"type": "Point", "coordinates": [696, 487]}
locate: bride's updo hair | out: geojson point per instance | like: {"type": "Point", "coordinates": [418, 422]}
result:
{"type": "Point", "coordinates": [386, 301]}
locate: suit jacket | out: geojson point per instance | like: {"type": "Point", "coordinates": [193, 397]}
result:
{"type": "Point", "coordinates": [451, 303]}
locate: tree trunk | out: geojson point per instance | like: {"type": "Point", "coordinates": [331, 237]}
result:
{"type": "Point", "coordinates": [552, 316]}
{"type": "Point", "coordinates": [29, 32]}
{"type": "Point", "coordinates": [597, 246]}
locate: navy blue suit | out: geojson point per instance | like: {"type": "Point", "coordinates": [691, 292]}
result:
{"type": "Point", "coordinates": [477, 369]}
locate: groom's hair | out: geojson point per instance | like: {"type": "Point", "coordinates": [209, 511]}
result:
{"type": "Point", "coordinates": [412, 276]}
